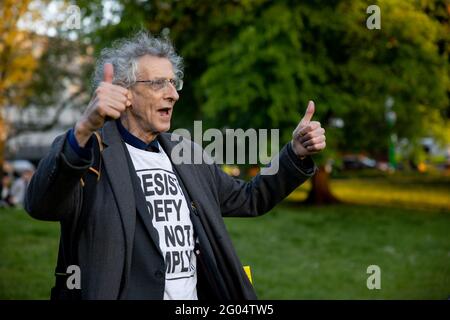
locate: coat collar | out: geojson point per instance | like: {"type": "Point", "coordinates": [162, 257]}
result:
{"type": "Point", "coordinates": [134, 141]}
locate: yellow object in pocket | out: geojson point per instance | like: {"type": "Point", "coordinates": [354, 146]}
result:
{"type": "Point", "coordinates": [248, 272]}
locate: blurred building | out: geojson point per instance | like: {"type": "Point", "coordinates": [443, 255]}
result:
{"type": "Point", "coordinates": [33, 145]}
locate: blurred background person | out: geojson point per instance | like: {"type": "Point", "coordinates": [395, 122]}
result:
{"type": "Point", "coordinates": [5, 200]}
{"type": "Point", "coordinates": [19, 188]}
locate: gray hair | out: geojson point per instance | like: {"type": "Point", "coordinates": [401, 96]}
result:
{"type": "Point", "coordinates": [124, 54]}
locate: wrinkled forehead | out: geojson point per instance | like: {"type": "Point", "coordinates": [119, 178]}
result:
{"type": "Point", "coordinates": [150, 67]}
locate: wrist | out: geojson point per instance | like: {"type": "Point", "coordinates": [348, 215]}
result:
{"type": "Point", "coordinates": [82, 134]}
{"type": "Point", "coordinates": [300, 156]}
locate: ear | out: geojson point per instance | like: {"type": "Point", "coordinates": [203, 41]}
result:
{"type": "Point", "coordinates": [131, 97]}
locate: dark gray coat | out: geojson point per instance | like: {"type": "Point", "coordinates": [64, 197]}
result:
{"type": "Point", "coordinates": [106, 239]}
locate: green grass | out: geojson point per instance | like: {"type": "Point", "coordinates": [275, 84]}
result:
{"type": "Point", "coordinates": [295, 252]}
{"type": "Point", "coordinates": [417, 191]}
{"type": "Point", "coordinates": [323, 253]}
{"type": "Point", "coordinates": [400, 191]}
{"type": "Point", "coordinates": [28, 250]}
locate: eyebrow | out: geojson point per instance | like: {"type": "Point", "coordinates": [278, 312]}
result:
{"type": "Point", "coordinates": [157, 78]}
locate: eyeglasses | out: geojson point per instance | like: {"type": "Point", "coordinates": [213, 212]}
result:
{"type": "Point", "coordinates": [162, 83]}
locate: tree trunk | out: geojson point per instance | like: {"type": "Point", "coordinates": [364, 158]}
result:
{"type": "Point", "coordinates": [320, 192]}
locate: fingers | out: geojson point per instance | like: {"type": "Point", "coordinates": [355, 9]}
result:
{"type": "Point", "coordinates": [314, 141]}
{"type": "Point", "coordinates": [106, 86]}
{"type": "Point", "coordinates": [108, 109]}
{"type": "Point", "coordinates": [317, 147]}
{"type": "Point", "coordinates": [115, 104]}
{"type": "Point", "coordinates": [110, 101]}
{"type": "Point", "coordinates": [112, 113]}
{"type": "Point", "coordinates": [107, 90]}
{"type": "Point", "coordinates": [313, 125]}
{"type": "Point", "coordinates": [309, 136]}
{"type": "Point", "coordinates": [312, 134]}
{"type": "Point", "coordinates": [118, 97]}
{"type": "Point", "coordinates": [108, 77]}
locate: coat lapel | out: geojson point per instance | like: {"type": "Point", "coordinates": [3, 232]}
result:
{"type": "Point", "coordinates": [141, 206]}
{"type": "Point", "coordinates": [126, 186]}
{"type": "Point", "coordinates": [116, 167]}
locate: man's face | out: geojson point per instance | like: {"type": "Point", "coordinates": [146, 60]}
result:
{"type": "Point", "coordinates": [152, 109]}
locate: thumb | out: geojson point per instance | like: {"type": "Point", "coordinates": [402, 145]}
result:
{"type": "Point", "coordinates": [108, 72]}
{"type": "Point", "coordinates": [309, 113]}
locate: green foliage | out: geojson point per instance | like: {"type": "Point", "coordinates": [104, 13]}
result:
{"type": "Point", "coordinates": [257, 63]}
{"type": "Point", "coordinates": [254, 80]}
{"type": "Point", "coordinates": [292, 53]}
{"type": "Point", "coordinates": [401, 60]}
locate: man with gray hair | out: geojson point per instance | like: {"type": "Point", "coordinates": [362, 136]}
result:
{"type": "Point", "coordinates": [134, 224]}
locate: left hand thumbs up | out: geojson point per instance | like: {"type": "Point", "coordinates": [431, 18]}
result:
{"type": "Point", "coordinates": [309, 137]}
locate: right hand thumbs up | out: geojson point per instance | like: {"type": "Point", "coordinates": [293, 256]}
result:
{"type": "Point", "coordinates": [108, 102]}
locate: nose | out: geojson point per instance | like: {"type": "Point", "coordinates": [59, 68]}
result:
{"type": "Point", "coordinates": [172, 93]}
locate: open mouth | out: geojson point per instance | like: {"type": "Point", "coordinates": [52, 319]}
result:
{"type": "Point", "coordinates": [164, 111]}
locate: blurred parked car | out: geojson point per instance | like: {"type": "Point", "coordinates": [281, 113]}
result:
{"type": "Point", "coordinates": [351, 162]}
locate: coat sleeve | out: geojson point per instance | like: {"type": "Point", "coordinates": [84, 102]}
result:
{"type": "Point", "coordinates": [259, 195]}
{"type": "Point", "coordinates": [55, 191]}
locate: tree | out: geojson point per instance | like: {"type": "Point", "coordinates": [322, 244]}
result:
{"type": "Point", "coordinates": [39, 71]}
{"type": "Point", "coordinates": [17, 63]}
{"type": "Point", "coordinates": [291, 52]}
{"type": "Point", "coordinates": [257, 63]}
{"type": "Point", "coordinates": [61, 81]}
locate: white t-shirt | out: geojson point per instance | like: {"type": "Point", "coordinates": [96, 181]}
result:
{"type": "Point", "coordinates": [170, 214]}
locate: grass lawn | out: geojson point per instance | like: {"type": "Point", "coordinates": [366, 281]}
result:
{"type": "Point", "coordinates": [402, 191]}
{"type": "Point", "coordinates": [295, 252]}
{"type": "Point", "coordinates": [323, 253]}
{"type": "Point", "coordinates": [28, 250]}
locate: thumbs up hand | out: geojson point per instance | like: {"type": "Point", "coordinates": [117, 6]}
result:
{"type": "Point", "coordinates": [109, 101]}
{"type": "Point", "coordinates": [309, 137]}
